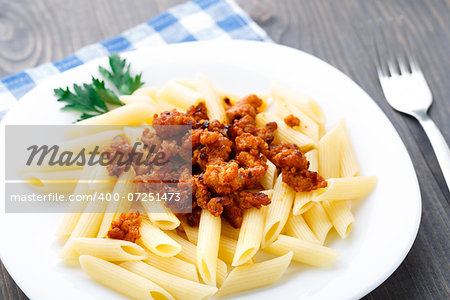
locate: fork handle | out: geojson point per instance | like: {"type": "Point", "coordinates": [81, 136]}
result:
{"type": "Point", "coordinates": [438, 143]}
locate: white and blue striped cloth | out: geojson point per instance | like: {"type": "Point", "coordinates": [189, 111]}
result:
{"type": "Point", "coordinates": [192, 21]}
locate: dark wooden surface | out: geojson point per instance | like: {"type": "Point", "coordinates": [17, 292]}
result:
{"type": "Point", "coordinates": [33, 32]}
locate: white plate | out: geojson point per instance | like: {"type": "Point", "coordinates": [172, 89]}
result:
{"type": "Point", "coordinates": [386, 222]}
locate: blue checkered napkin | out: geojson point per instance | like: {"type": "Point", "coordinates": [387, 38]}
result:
{"type": "Point", "coordinates": [192, 21]}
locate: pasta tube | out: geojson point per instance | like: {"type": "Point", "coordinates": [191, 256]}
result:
{"type": "Point", "coordinates": [123, 187]}
{"type": "Point", "coordinates": [350, 188]}
{"type": "Point", "coordinates": [278, 211]}
{"type": "Point", "coordinates": [340, 215]}
{"type": "Point", "coordinates": [189, 254]}
{"type": "Point", "coordinates": [173, 266]}
{"type": "Point", "coordinates": [132, 114]}
{"type": "Point", "coordinates": [296, 227]}
{"type": "Point", "coordinates": [111, 250]}
{"type": "Point", "coordinates": [216, 110]}
{"type": "Point", "coordinates": [145, 91]}
{"type": "Point", "coordinates": [304, 251]}
{"type": "Point", "coordinates": [75, 209]}
{"type": "Point", "coordinates": [285, 133]}
{"type": "Point", "coordinates": [230, 231]}
{"type": "Point", "coordinates": [318, 221]}
{"type": "Point", "coordinates": [269, 177]}
{"type": "Point", "coordinates": [155, 240]}
{"type": "Point", "coordinates": [349, 165]}
{"type": "Point", "coordinates": [179, 287]}
{"type": "Point", "coordinates": [208, 246]}
{"type": "Point", "coordinates": [329, 153]}
{"type": "Point", "coordinates": [179, 95]}
{"type": "Point", "coordinates": [253, 276]}
{"type": "Point", "coordinates": [159, 105]}
{"type": "Point", "coordinates": [303, 103]}
{"type": "Point", "coordinates": [250, 236]}
{"type": "Point", "coordinates": [307, 126]}
{"type": "Point", "coordinates": [160, 215]}
{"type": "Point", "coordinates": [227, 246]}
{"type": "Point", "coordinates": [121, 280]}
{"type": "Point", "coordinates": [303, 200]}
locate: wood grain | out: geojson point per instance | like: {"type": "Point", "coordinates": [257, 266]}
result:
{"type": "Point", "coordinates": [33, 32]}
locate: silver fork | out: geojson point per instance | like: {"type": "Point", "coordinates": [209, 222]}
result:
{"type": "Point", "coordinates": [407, 91]}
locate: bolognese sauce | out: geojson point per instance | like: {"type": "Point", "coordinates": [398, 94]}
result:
{"type": "Point", "coordinates": [228, 160]}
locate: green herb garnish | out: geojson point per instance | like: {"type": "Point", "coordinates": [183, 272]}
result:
{"type": "Point", "coordinates": [91, 99]}
{"type": "Point", "coordinates": [120, 75]}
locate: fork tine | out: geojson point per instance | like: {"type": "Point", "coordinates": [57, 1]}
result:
{"type": "Point", "coordinates": [414, 65]}
{"type": "Point", "coordinates": [378, 40]}
{"type": "Point", "coordinates": [378, 62]}
{"type": "Point", "coordinates": [390, 52]}
{"type": "Point", "coordinates": [410, 59]}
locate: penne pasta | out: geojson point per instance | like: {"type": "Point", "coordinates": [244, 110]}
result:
{"type": "Point", "coordinates": [297, 227]}
{"type": "Point", "coordinates": [227, 95]}
{"type": "Point", "coordinates": [90, 142]}
{"type": "Point", "coordinates": [250, 236]}
{"type": "Point", "coordinates": [285, 133]}
{"type": "Point", "coordinates": [349, 165]}
{"type": "Point", "coordinates": [132, 114]}
{"type": "Point", "coordinates": [303, 103]}
{"type": "Point", "coordinates": [179, 95]}
{"type": "Point", "coordinates": [227, 246]}
{"type": "Point", "coordinates": [230, 231]}
{"type": "Point", "coordinates": [189, 83]}
{"type": "Point", "coordinates": [44, 166]}
{"type": "Point", "coordinates": [87, 226]}
{"type": "Point", "coordinates": [303, 200]}
{"type": "Point", "coordinates": [350, 188]}
{"type": "Point", "coordinates": [75, 208]}
{"type": "Point", "coordinates": [101, 181]}
{"type": "Point", "coordinates": [159, 105]}
{"type": "Point", "coordinates": [160, 215]}
{"type": "Point", "coordinates": [318, 221]}
{"type": "Point", "coordinates": [128, 99]}
{"type": "Point", "coordinates": [253, 276]}
{"type": "Point", "coordinates": [208, 246]}
{"type": "Point", "coordinates": [340, 215]}
{"type": "Point", "coordinates": [133, 133]}
{"type": "Point", "coordinates": [215, 108]}
{"type": "Point", "coordinates": [329, 153]}
{"type": "Point", "coordinates": [172, 262]}
{"type": "Point", "coordinates": [307, 126]}
{"type": "Point", "coordinates": [155, 240]}
{"type": "Point", "coordinates": [110, 250]}
{"type": "Point", "coordinates": [75, 132]}
{"type": "Point", "coordinates": [278, 211]}
{"type": "Point", "coordinates": [89, 223]}
{"type": "Point", "coordinates": [179, 287]}
{"type": "Point", "coordinates": [173, 266]}
{"type": "Point", "coordinates": [189, 254]}
{"type": "Point", "coordinates": [188, 250]}
{"type": "Point", "coordinates": [145, 91]}
{"type": "Point", "coordinates": [121, 280]}
{"type": "Point", "coordinates": [61, 182]}
{"type": "Point", "coordinates": [304, 251]}
{"type": "Point", "coordinates": [123, 187]}
{"type": "Point", "coordinates": [269, 177]}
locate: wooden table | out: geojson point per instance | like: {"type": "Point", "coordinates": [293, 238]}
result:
{"type": "Point", "coordinates": [33, 32]}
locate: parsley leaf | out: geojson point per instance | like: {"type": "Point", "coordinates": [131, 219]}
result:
{"type": "Point", "coordinates": [91, 99]}
{"type": "Point", "coordinates": [120, 75]}
{"type": "Point", "coordinates": [105, 94]}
